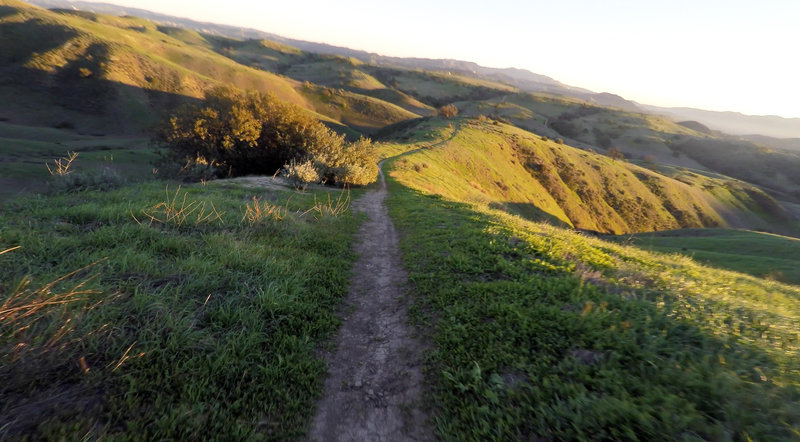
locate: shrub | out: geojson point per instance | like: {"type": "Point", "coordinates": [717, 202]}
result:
{"type": "Point", "coordinates": [448, 111]}
{"type": "Point", "coordinates": [615, 153]}
{"type": "Point", "coordinates": [346, 163]}
{"type": "Point", "coordinates": [253, 133]}
{"type": "Point", "coordinates": [300, 175]}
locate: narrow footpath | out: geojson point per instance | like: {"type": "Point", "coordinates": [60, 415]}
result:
{"type": "Point", "coordinates": [373, 391]}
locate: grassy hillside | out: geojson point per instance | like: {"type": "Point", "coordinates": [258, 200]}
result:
{"type": "Point", "coordinates": [329, 71]}
{"type": "Point", "coordinates": [541, 333]}
{"type": "Point", "coordinates": [438, 88]}
{"type": "Point", "coordinates": [110, 74]}
{"type": "Point", "coordinates": [586, 124]}
{"type": "Point", "coordinates": [759, 254]}
{"type": "Point", "coordinates": [502, 166]}
{"type": "Point", "coordinates": [772, 169]}
{"type": "Point", "coordinates": [201, 319]}
{"type": "Point", "coordinates": [647, 138]}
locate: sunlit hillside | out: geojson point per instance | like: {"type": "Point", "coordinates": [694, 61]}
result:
{"type": "Point", "coordinates": [502, 166]}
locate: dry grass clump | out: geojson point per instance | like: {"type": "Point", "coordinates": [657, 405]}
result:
{"type": "Point", "coordinates": [25, 309]}
{"type": "Point", "coordinates": [258, 211]}
{"type": "Point", "coordinates": [178, 210]}
{"type": "Point", "coordinates": [329, 208]}
{"type": "Point", "coordinates": [61, 166]}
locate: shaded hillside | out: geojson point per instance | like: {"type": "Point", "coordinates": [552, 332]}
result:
{"type": "Point", "coordinates": [503, 166]}
{"type": "Point", "coordinates": [763, 255]}
{"type": "Point", "coordinates": [773, 169]}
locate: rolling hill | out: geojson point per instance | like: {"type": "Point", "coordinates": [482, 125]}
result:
{"type": "Point", "coordinates": [502, 166]}
{"type": "Point", "coordinates": [576, 269]}
{"type": "Point", "coordinates": [103, 73]}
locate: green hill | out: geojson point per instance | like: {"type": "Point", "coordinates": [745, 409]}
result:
{"type": "Point", "coordinates": [503, 166]}
{"type": "Point", "coordinates": [100, 73]}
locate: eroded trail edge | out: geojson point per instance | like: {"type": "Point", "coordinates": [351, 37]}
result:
{"type": "Point", "coordinates": [373, 391]}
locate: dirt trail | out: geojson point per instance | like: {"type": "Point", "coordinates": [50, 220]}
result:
{"type": "Point", "coordinates": [374, 387]}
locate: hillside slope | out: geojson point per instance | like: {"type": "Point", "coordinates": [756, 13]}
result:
{"type": "Point", "coordinates": [504, 166]}
{"type": "Point", "coordinates": [539, 333]}
{"type": "Point", "coordinates": [117, 74]}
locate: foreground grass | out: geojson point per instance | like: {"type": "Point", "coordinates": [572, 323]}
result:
{"type": "Point", "coordinates": [539, 332]}
{"type": "Point", "coordinates": [759, 254]}
{"type": "Point", "coordinates": [183, 326]}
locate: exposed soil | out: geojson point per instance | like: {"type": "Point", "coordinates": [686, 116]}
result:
{"type": "Point", "coordinates": [374, 387]}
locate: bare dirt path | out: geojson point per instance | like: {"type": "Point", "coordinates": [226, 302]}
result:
{"type": "Point", "coordinates": [374, 387]}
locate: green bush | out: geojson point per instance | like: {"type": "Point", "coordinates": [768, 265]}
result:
{"type": "Point", "coordinates": [244, 133]}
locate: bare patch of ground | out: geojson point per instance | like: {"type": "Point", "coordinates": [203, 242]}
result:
{"type": "Point", "coordinates": [374, 388]}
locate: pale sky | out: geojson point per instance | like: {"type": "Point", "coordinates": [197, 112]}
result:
{"type": "Point", "coordinates": [711, 54]}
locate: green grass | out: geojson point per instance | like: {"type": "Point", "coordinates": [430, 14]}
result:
{"type": "Point", "coordinates": [759, 254]}
{"type": "Point", "coordinates": [189, 330]}
{"type": "Point", "coordinates": [27, 149]}
{"type": "Point", "coordinates": [541, 333]}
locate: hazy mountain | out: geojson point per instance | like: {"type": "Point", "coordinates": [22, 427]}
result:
{"type": "Point", "coordinates": [734, 123]}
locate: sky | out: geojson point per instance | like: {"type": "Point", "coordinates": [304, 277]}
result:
{"type": "Point", "coordinates": [717, 55]}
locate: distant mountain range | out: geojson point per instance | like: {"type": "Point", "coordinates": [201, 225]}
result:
{"type": "Point", "coordinates": [729, 122]}
{"type": "Point", "coordinates": [734, 123]}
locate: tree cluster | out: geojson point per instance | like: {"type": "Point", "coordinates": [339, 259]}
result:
{"type": "Point", "coordinates": [243, 133]}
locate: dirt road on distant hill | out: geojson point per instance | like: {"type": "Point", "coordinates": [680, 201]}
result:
{"type": "Point", "coordinates": [374, 387]}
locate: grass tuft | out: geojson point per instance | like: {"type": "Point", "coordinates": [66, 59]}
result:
{"type": "Point", "coordinates": [177, 210]}
{"type": "Point", "coordinates": [61, 166]}
{"type": "Point", "coordinates": [257, 212]}
{"type": "Point", "coordinates": [329, 207]}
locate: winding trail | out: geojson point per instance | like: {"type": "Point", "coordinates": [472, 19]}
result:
{"type": "Point", "coordinates": [374, 387]}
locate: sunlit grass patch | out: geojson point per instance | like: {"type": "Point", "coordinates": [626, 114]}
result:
{"type": "Point", "coordinates": [540, 332]}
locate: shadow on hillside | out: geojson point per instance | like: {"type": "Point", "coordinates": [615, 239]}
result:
{"type": "Point", "coordinates": [6, 11]}
{"type": "Point", "coordinates": [21, 40]}
{"type": "Point", "coordinates": [76, 97]}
